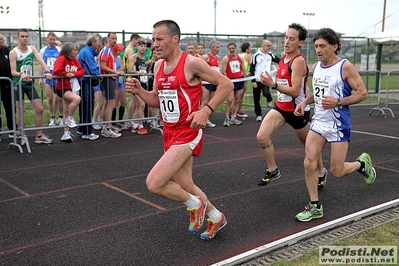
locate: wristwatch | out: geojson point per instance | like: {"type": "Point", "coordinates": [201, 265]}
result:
{"type": "Point", "coordinates": [274, 87]}
{"type": "Point", "coordinates": [339, 104]}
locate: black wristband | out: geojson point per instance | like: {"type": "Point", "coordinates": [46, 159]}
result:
{"type": "Point", "coordinates": [210, 107]}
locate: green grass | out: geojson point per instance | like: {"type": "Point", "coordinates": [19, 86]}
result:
{"type": "Point", "coordinates": [384, 235]}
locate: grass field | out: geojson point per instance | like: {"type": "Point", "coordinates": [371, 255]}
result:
{"type": "Point", "coordinates": [384, 235]}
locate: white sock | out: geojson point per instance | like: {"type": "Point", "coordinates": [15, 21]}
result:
{"type": "Point", "coordinates": [322, 173]}
{"type": "Point", "coordinates": [214, 215]}
{"type": "Point", "coordinates": [192, 202]}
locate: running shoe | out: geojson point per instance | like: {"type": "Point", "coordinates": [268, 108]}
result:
{"type": "Point", "coordinates": [366, 169]}
{"type": "Point", "coordinates": [259, 118]}
{"type": "Point", "coordinates": [226, 122]}
{"type": "Point", "coordinates": [91, 136]}
{"type": "Point", "coordinates": [67, 136]}
{"type": "Point", "coordinates": [322, 180]}
{"type": "Point", "coordinates": [269, 177]}
{"type": "Point", "coordinates": [97, 127]}
{"type": "Point", "coordinates": [311, 212]}
{"type": "Point", "coordinates": [197, 216]}
{"type": "Point", "coordinates": [235, 121]}
{"type": "Point", "coordinates": [135, 129]}
{"type": "Point", "coordinates": [210, 124]}
{"type": "Point", "coordinates": [213, 228]}
{"type": "Point", "coordinates": [71, 122]}
{"type": "Point", "coordinates": [270, 104]}
{"type": "Point", "coordinates": [43, 140]}
{"type": "Point", "coordinates": [142, 131]}
{"type": "Point", "coordinates": [52, 122]}
{"type": "Point", "coordinates": [108, 133]}
{"type": "Point", "coordinates": [242, 115]}
{"type": "Point", "coordinates": [60, 121]}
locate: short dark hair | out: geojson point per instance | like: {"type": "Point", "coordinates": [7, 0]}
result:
{"type": "Point", "coordinates": [134, 36]}
{"type": "Point", "coordinates": [245, 46]}
{"type": "Point", "coordinates": [172, 26]}
{"type": "Point", "coordinates": [302, 32]}
{"type": "Point", "coordinates": [330, 36]}
{"type": "Point", "coordinates": [22, 30]}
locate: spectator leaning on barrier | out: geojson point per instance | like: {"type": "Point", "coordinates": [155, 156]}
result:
{"type": "Point", "coordinates": [5, 86]}
{"type": "Point", "coordinates": [120, 96]}
{"type": "Point", "coordinates": [138, 66]}
{"type": "Point", "coordinates": [107, 67]}
{"type": "Point", "coordinates": [21, 62]}
{"type": "Point", "coordinates": [49, 53]}
{"type": "Point", "coordinates": [69, 69]}
{"type": "Point", "coordinates": [86, 58]}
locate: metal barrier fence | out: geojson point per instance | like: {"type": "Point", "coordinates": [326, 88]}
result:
{"type": "Point", "coordinates": [390, 96]}
{"type": "Point", "coordinates": [379, 96]}
{"type": "Point", "coordinates": [380, 93]}
{"type": "Point", "coordinates": [26, 115]}
{"type": "Point", "coordinates": [11, 132]}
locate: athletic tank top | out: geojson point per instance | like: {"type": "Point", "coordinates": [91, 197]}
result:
{"type": "Point", "coordinates": [286, 102]}
{"type": "Point", "coordinates": [177, 98]}
{"type": "Point", "coordinates": [234, 67]}
{"type": "Point", "coordinates": [213, 62]}
{"type": "Point", "coordinates": [141, 67]}
{"type": "Point", "coordinates": [24, 64]}
{"type": "Point", "coordinates": [328, 81]}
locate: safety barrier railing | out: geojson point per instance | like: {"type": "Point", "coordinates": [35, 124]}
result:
{"type": "Point", "coordinates": [372, 79]}
{"type": "Point", "coordinates": [391, 94]}
{"type": "Point", "coordinates": [11, 132]}
{"type": "Point", "coordinates": [23, 113]}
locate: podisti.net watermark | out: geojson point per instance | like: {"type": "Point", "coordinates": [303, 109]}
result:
{"type": "Point", "coordinates": [358, 255]}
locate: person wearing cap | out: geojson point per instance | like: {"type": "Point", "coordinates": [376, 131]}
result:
{"type": "Point", "coordinates": [138, 66]}
{"type": "Point", "coordinates": [120, 94]}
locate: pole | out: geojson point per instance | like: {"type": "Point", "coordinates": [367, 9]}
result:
{"type": "Point", "coordinates": [307, 39]}
{"type": "Point", "coordinates": [214, 23]}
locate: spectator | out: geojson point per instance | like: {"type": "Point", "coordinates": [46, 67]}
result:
{"type": "Point", "coordinates": [233, 68]}
{"type": "Point", "coordinates": [87, 60]}
{"type": "Point", "coordinates": [68, 67]}
{"type": "Point", "coordinates": [21, 63]}
{"type": "Point", "coordinates": [5, 86]}
{"type": "Point", "coordinates": [213, 61]}
{"type": "Point", "coordinates": [261, 61]}
{"type": "Point", "coordinates": [107, 66]}
{"type": "Point", "coordinates": [49, 53]}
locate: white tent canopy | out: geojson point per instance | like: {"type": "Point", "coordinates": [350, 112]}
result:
{"type": "Point", "coordinates": [386, 37]}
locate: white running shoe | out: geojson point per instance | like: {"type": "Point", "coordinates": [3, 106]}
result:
{"type": "Point", "coordinates": [52, 122]}
{"type": "Point", "coordinates": [71, 122]}
{"type": "Point", "coordinates": [210, 124]}
{"type": "Point", "coordinates": [91, 136]}
{"type": "Point", "coordinates": [67, 136]}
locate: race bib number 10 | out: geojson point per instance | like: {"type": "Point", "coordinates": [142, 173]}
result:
{"type": "Point", "coordinates": [169, 105]}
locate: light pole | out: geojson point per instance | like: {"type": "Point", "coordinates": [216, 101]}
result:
{"type": "Point", "coordinates": [239, 11]}
{"type": "Point", "coordinates": [307, 42]}
{"type": "Point", "coordinates": [5, 10]}
{"type": "Point", "coordinates": [214, 23]}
